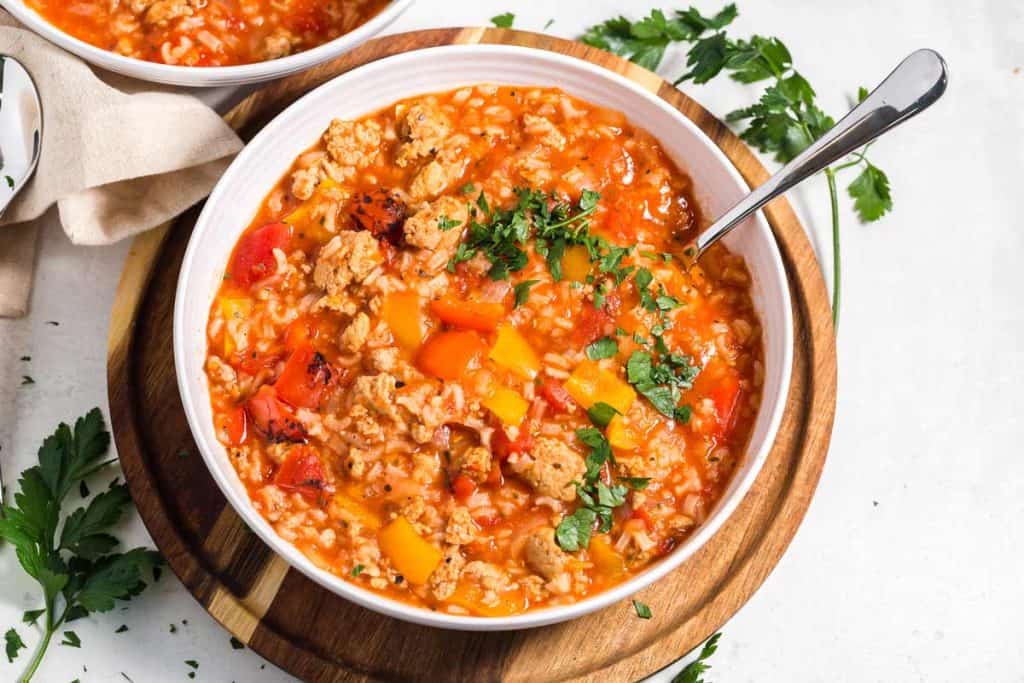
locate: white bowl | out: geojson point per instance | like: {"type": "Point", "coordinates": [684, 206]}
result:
{"type": "Point", "coordinates": [369, 88]}
{"type": "Point", "coordinates": [202, 76]}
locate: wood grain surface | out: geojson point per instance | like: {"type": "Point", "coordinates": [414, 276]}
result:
{"type": "Point", "coordinates": [318, 636]}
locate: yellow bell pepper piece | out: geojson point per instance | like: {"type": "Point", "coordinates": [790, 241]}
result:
{"type": "Point", "coordinates": [508, 406]}
{"type": "Point", "coordinates": [366, 517]}
{"type": "Point", "coordinates": [404, 316]}
{"type": "Point", "coordinates": [605, 558]}
{"type": "Point", "coordinates": [413, 557]}
{"type": "Point", "coordinates": [233, 309]}
{"type": "Point", "coordinates": [576, 263]}
{"type": "Point", "coordinates": [589, 384]}
{"type": "Point", "coordinates": [621, 435]}
{"type": "Point", "coordinates": [512, 352]}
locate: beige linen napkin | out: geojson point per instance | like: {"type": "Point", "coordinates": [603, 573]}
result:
{"type": "Point", "coordinates": [115, 162]}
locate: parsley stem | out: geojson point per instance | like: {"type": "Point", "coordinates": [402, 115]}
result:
{"type": "Point", "coordinates": [48, 632]}
{"type": "Point", "coordinates": [836, 261]}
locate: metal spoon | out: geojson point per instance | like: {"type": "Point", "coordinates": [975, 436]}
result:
{"type": "Point", "coordinates": [21, 136]}
{"type": "Point", "coordinates": [21, 129]}
{"type": "Point", "coordinates": [912, 87]}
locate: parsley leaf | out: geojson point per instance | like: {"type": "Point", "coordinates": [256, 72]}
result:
{"type": "Point", "coordinates": [504, 20]}
{"type": "Point", "coordinates": [642, 610]}
{"type": "Point", "coordinates": [32, 616]}
{"type": "Point", "coordinates": [522, 292]}
{"type": "Point", "coordinates": [445, 224]}
{"type": "Point", "coordinates": [574, 530]}
{"type": "Point", "coordinates": [870, 192]}
{"type": "Point", "coordinates": [694, 671]}
{"type": "Point", "coordinates": [357, 570]}
{"type": "Point", "coordinates": [14, 644]}
{"type": "Point", "coordinates": [605, 347]}
{"type": "Point", "coordinates": [72, 562]}
{"type": "Point", "coordinates": [601, 414]}
{"type": "Point", "coordinates": [661, 382]}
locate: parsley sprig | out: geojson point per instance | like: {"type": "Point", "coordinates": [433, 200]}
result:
{"type": "Point", "coordinates": [694, 671]}
{"type": "Point", "coordinates": [783, 122]}
{"type": "Point", "coordinates": [598, 499]}
{"type": "Point", "coordinates": [73, 562]}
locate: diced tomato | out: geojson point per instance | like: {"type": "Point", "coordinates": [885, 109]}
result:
{"type": "Point", "coordinates": [595, 323]}
{"type": "Point", "coordinates": [446, 355]}
{"type": "Point", "coordinates": [235, 426]}
{"type": "Point", "coordinates": [272, 417]}
{"type": "Point", "coordinates": [302, 472]}
{"type": "Point", "coordinates": [254, 257]}
{"type": "Point", "coordinates": [304, 378]}
{"type": "Point", "coordinates": [462, 488]}
{"type": "Point", "coordinates": [251, 362]}
{"type": "Point", "coordinates": [642, 514]}
{"type": "Point", "coordinates": [486, 521]}
{"type": "Point", "coordinates": [469, 315]}
{"type": "Point", "coordinates": [495, 477]}
{"type": "Point", "coordinates": [299, 333]}
{"type": "Point", "coordinates": [380, 213]}
{"type": "Point", "coordinates": [557, 397]}
{"type": "Point", "coordinates": [725, 394]}
{"type": "Point", "coordinates": [502, 446]}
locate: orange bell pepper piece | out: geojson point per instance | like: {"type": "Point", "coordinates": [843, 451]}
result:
{"type": "Point", "coordinates": [446, 355]}
{"type": "Point", "coordinates": [576, 263]}
{"type": "Point", "coordinates": [414, 557]}
{"type": "Point", "coordinates": [590, 383]}
{"type": "Point", "coordinates": [481, 316]}
{"type": "Point", "coordinates": [401, 311]}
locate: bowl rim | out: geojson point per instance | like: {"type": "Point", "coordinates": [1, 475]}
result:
{"type": "Point", "coordinates": [205, 76]}
{"type": "Point", "coordinates": [212, 455]}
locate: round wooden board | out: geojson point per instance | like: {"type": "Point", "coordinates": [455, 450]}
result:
{"type": "Point", "coordinates": [318, 636]}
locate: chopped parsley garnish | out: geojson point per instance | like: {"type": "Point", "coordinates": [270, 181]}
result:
{"type": "Point", "coordinates": [468, 188]}
{"type": "Point", "coordinates": [71, 639]}
{"type": "Point", "coordinates": [522, 292]}
{"type": "Point", "coordinates": [25, 379]}
{"type": "Point", "coordinates": [504, 20]}
{"type": "Point", "coordinates": [662, 382]}
{"type": "Point", "coordinates": [236, 644]}
{"type": "Point", "coordinates": [445, 224]}
{"type": "Point", "coordinates": [357, 570]}
{"type": "Point", "coordinates": [605, 347]}
{"type": "Point", "coordinates": [636, 483]}
{"type": "Point", "coordinates": [122, 628]}
{"type": "Point", "coordinates": [31, 616]}
{"type": "Point", "coordinates": [554, 224]}
{"type": "Point", "coordinates": [598, 499]}
{"type": "Point", "coordinates": [601, 414]}
{"type": "Point", "coordinates": [10, 181]}
{"type": "Point", "coordinates": [642, 610]}
{"type": "Point", "coordinates": [13, 645]}
{"type": "Point", "coordinates": [192, 663]}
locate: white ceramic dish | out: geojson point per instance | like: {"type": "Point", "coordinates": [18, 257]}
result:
{"type": "Point", "coordinates": [240, 192]}
{"type": "Point", "coordinates": [205, 77]}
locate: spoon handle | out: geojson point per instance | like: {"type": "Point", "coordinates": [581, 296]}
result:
{"type": "Point", "coordinates": [912, 87]}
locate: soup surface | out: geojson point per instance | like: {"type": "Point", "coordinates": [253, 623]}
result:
{"type": "Point", "coordinates": [454, 361]}
{"type": "Point", "coordinates": [207, 32]}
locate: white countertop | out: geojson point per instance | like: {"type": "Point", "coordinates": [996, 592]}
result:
{"type": "Point", "coordinates": [908, 565]}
